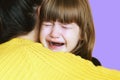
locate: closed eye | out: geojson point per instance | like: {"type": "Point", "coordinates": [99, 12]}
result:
{"type": "Point", "coordinates": [66, 27]}
{"type": "Point", "coordinates": [47, 24]}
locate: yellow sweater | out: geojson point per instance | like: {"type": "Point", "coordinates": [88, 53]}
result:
{"type": "Point", "coordinates": [22, 59]}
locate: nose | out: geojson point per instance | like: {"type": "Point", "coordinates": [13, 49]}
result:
{"type": "Point", "coordinates": [55, 32]}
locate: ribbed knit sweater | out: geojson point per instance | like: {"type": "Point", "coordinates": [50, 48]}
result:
{"type": "Point", "coordinates": [22, 59]}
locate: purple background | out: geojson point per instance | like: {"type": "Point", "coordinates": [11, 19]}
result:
{"type": "Point", "coordinates": [106, 15]}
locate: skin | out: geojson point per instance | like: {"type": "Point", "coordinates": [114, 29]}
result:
{"type": "Point", "coordinates": [57, 36]}
{"type": "Point", "coordinates": [33, 35]}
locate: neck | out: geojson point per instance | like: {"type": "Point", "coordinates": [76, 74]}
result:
{"type": "Point", "coordinates": [31, 36]}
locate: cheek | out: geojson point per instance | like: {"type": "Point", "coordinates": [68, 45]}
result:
{"type": "Point", "coordinates": [43, 34]}
{"type": "Point", "coordinates": [72, 39]}
{"type": "Point", "coordinates": [72, 35]}
{"type": "Point", "coordinates": [76, 38]}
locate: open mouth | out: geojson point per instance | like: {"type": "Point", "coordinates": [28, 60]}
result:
{"type": "Point", "coordinates": [57, 44]}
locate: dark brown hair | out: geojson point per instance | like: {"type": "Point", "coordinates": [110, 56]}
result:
{"type": "Point", "coordinates": [16, 18]}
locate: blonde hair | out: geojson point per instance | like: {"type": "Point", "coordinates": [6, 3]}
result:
{"type": "Point", "coordinates": [67, 11]}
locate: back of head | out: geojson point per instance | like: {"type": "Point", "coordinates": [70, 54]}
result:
{"type": "Point", "coordinates": [16, 18]}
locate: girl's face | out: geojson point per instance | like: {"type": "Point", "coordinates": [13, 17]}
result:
{"type": "Point", "coordinates": [57, 36]}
